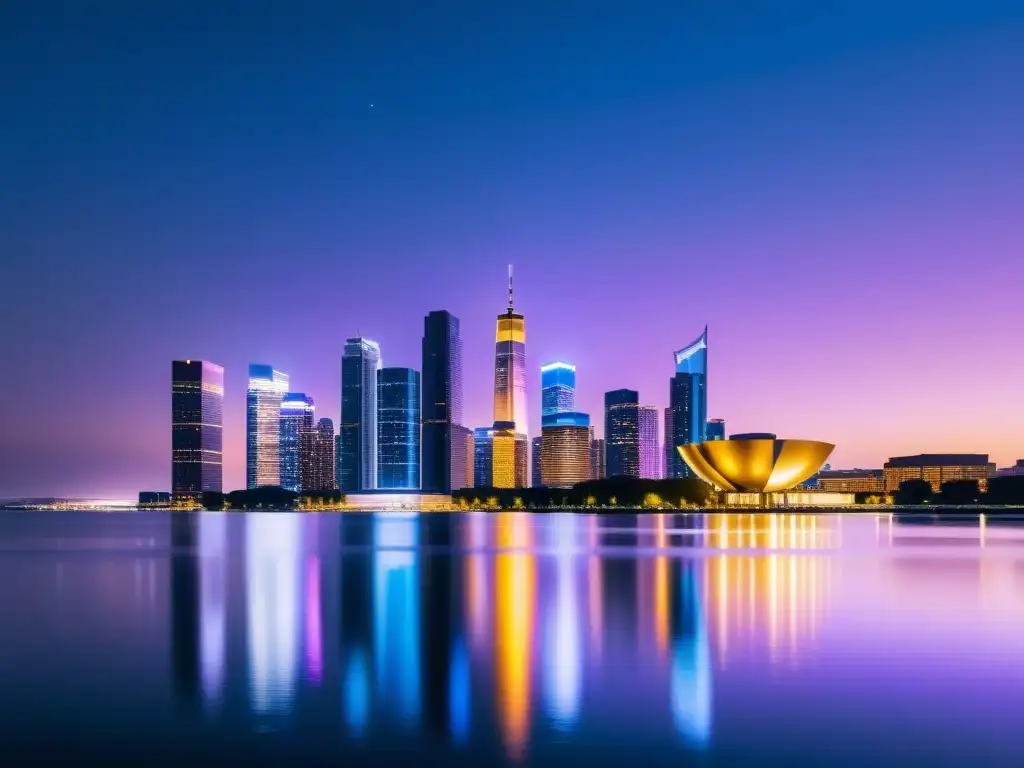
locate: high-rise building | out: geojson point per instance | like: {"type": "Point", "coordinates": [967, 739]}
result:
{"type": "Point", "coordinates": [398, 428]}
{"type": "Point", "coordinates": [297, 420]}
{"type": "Point", "coordinates": [558, 388]}
{"type": "Point", "coordinates": [337, 460]}
{"type": "Point", "coordinates": [197, 427]}
{"type": "Point", "coordinates": [715, 430]}
{"type": "Point", "coordinates": [622, 433]}
{"type": "Point", "coordinates": [316, 458]}
{"type": "Point", "coordinates": [688, 399]}
{"type": "Point", "coordinates": [462, 457]}
{"type": "Point", "coordinates": [510, 441]}
{"type": "Point", "coordinates": [483, 457]}
{"type": "Point", "coordinates": [444, 461]}
{"type": "Point", "coordinates": [669, 448]}
{"type": "Point", "coordinates": [358, 429]}
{"type": "Point", "coordinates": [650, 451]}
{"type": "Point", "coordinates": [535, 477]}
{"type": "Point", "coordinates": [263, 425]}
{"type": "Point", "coordinates": [508, 451]}
{"type": "Point", "coordinates": [597, 467]}
{"type": "Point", "coordinates": [565, 449]}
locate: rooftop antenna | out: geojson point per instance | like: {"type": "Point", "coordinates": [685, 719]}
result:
{"type": "Point", "coordinates": [510, 289]}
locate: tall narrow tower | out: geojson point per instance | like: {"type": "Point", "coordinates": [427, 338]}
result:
{"type": "Point", "coordinates": [510, 426]}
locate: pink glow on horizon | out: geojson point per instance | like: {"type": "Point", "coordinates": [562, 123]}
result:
{"type": "Point", "coordinates": [314, 632]}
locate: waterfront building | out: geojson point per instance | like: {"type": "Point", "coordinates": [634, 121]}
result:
{"type": "Point", "coordinates": [197, 427]}
{"type": "Point", "coordinates": [938, 468]}
{"type": "Point", "coordinates": [622, 433]}
{"type": "Point", "coordinates": [444, 457]}
{"type": "Point", "coordinates": [671, 455]}
{"type": "Point", "coordinates": [358, 429]}
{"type": "Point", "coordinates": [461, 457]}
{"type": "Point", "coordinates": [337, 461]}
{"type": "Point", "coordinates": [715, 430]}
{"type": "Point", "coordinates": [509, 450]}
{"type": "Point", "coordinates": [398, 429]}
{"type": "Point", "coordinates": [650, 451]}
{"type": "Point", "coordinates": [296, 421]}
{"type": "Point", "coordinates": [755, 463]}
{"type": "Point", "coordinates": [597, 466]}
{"type": "Point", "coordinates": [535, 476]}
{"type": "Point", "coordinates": [688, 399]}
{"type": "Point", "coordinates": [267, 386]}
{"type": "Point", "coordinates": [316, 458]}
{"type": "Point", "coordinates": [558, 387]}
{"type": "Point", "coordinates": [1016, 470]}
{"type": "Point", "coordinates": [154, 499]}
{"type": "Point", "coordinates": [483, 457]}
{"type": "Point", "coordinates": [851, 480]}
{"type": "Point", "coordinates": [565, 449]}
{"type": "Point", "coordinates": [510, 441]}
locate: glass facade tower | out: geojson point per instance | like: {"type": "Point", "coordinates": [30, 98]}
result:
{"type": "Point", "coordinates": [558, 388]}
{"type": "Point", "coordinates": [297, 421]}
{"type": "Point", "coordinates": [267, 387]}
{"type": "Point", "coordinates": [688, 399]}
{"type": "Point", "coordinates": [444, 459]}
{"type": "Point", "coordinates": [483, 457]}
{"type": "Point", "coordinates": [535, 449]}
{"type": "Point", "coordinates": [398, 428]}
{"type": "Point", "coordinates": [358, 431]}
{"type": "Point", "coordinates": [510, 443]}
{"type": "Point", "coordinates": [565, 449]}
{"type": "Point", "coordinates": [716, 429]}
{"type": "Point", "coordinates": [316, 458]}
{"type": "Point", "coordinates": [650, 453]}
{"type": "Point", "coordinates": [197, 427]}
{"type": "Point", "coordinates": [622, 433]}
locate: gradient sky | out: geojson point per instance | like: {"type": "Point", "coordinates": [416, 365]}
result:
{"type": "Point", "coordinates": [834, 188]}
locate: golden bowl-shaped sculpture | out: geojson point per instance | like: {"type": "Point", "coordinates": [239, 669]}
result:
{"type": "Point", "coordinates": [761, 464]}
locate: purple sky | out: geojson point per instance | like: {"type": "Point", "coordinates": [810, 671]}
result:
{"type": "Point", "coordinates": [837, 194]}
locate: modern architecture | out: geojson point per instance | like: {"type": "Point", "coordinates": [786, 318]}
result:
{"type": "Point", "coordinates": [510, 443]}
{"type": "Point", "coordinates": [622, 433]}
{"type": "Point", "coordinates": [650, 452]}
{"type": "Point", "coordinates": [267, 387]}
{"type": "Point", "coordinates": [509, 460]}
{"type": "Point", "coordinates": [565, 449]}
{"type": "Point", "coordinates": [688, 399]}
{"type": "Point", "coordinates": [358, 429]}
{"type": "Point", "coordinates": [938, 468]}
{"type": "Point", "coordinates": [398, 429]}
{"type": "Point", "coordinates": [756, 463]}
{"type": "Point", "coordinates": [715, 429]}
{"type": "Point", "coordinates": [297, 420]}
{"type": "Point", "coordinates": [597, 467]}
{"type": "Point", "coordinates": [444, 458]}
{"type": "Point", "coordinates": [535, 476]}
{"type": "Point", "coordinates": [483, 457]}
{"type": "Point", "coordinates": [558, 388]}
{"type": "Point", "coordinates": [316, 458]}
{"type": "Point", "coordinates": [197, 427]}
{"type": "Point", "coordinates": [851, 481]}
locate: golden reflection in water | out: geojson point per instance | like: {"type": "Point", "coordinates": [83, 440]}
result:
{"type": "Point", "coordinates": [594, 590]}
{"type": "Point", "coordinates": [515, 595]}
{"type": "Point", "coordinates": [661, 590]}
{"type": "Point", "coordinates": [779, 592]}
{"type": "Point", "coordinates": [475, 535]}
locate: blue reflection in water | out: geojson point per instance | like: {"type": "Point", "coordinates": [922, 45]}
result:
{"type": "Point", "coordinates": [562, 662]}
{"type": "Point", "coordinates": [357, 692]}
{"type": "Point", "coordinates": [691, 662]}
{"type": "Point", "coordinates": [396, 615]}
{"type": "Point", "coordinates": [458, 693]}
{"type": "Point", "coordinates": [212, 606]}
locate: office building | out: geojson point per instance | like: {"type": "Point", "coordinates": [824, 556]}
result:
{"type": "Point", "coordinates": [358, 429]}
{"type": "Point", "coordinates": [565, 449]}
{"type": "Point", "coordinates": [558, 388]}
{"type": "Point", "coordinates": [622, 433]}
{"type": "Point", "coordinates": [197, 427]}
{"type": "Point", "coordinates": [669, 449]}
{"type": "Point", "coordinates": [688, 399]}
{"type": "Point", "coordinates": [938, 468]}
{"type": "Point", "coordinates": [316, 458]}
{"type": "Point", "coordinates": [1017, 470]}
{"type": "Point", "coordinates": [263, 425]}
{"type": "Point", "coordinates": [337, 461]}
{"type": "Point", "coordinates": [398, 429]}
{"type": "Point", "coordinates": [650, 450]}
{"type": "Point", "coordinates": [297, 420]}
{"type": "Point", "coordinates": [715, 430]}
{"type": "Point", "coordinates": [483, 457]}
{"type": "Point", "coordinates": [444, 458]}
{"type": "Point", "coordinates": [597, 467]}
{"type": "Point", "coordinates": [535, 481]}
{"type": "Point", "coordinates": [510, 441]}
{"type": "Point", "coordinates": [509, 450]}
{"type": "Point", "coordinates": [851, 480]}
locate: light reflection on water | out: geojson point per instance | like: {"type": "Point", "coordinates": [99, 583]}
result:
{"type": "Point", "coordinates": [493, 636]}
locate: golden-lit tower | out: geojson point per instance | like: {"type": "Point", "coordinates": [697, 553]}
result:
{"type": "Point", "coordinates": [510, 446]}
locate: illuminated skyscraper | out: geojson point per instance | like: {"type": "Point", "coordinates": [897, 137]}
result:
{"type": "Point", "coordinates": [622, 432]}
{"type": "Point", "coordinates": [358, 431]}
{"type": "Point", "coordinates": [510, 440]}
{"type": "Point", "coordinates": [483, 457]}
{"type": "Point", "coordinates": [565, 449]}
{"type": "Point", "coordinates": [715, 429]}
{"type": "Point", "coordinates": [508, 451]}
{"type": "Point", "coordinates": [262, 425]}
{"type": "Point", "coordinates": [297, 420]}
{"type": "Point", "coordinates": [535, 477]}
{"type": "Point", "coordinates": [337, 460]}
{"type": "Point", "coordinates": [597, 466]}
{"type": "Point", "coordinates": [669, 447]}
{"type": "Point", "coordinates": [462, 457]}
{"type": "Point", "coordinates": [398, 428]}
{"type": "Point", "coordinates": [688, 399]}
{"type": "Point", "coordinates": [650, 453]}
{"type": "Point", "coordinates": [316, 458]}
{"type": "Point", "coordinates": [444, 440]}
{"type": "Point", "coordinates": [197, 420]}
{"type": "Point", "coordinates": [558, 387]}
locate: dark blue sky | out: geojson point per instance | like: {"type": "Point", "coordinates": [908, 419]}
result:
{"type": "Point", "coordinates": [833, 186]}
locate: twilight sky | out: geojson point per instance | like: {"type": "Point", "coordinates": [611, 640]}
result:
{"type": "Point", "coordinates": [834, 188]}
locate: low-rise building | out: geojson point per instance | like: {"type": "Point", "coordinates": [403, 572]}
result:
{"type": "Point", "coordinates": [938, 468]}
{"type": "Point", "coordinates": [852, 480]}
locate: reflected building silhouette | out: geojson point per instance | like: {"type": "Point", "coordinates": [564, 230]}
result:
{"type": "Point", "coordinates": [213, 606]}
{"type": "Point", "coordinates": [691, 683]}
{"type": "Point", "coordinates": [185, 597]}
{"type": "Point", "coordinates": [356, 620]}
{"type": "Point", "coordinates": [562, 648]}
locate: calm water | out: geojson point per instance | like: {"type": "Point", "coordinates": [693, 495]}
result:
{"type": "Point", "coordinates": [483, 639]}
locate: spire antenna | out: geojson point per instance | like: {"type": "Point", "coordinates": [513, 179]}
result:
{"type": "Point", "coordinates": [510, 289]}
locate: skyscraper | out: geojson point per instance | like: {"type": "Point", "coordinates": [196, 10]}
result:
{"type": "Point", "coordinates": [688, 399]}
{"type": "Point", "coordinates": [483, 457]}
{"type": "Point", "coordinates": [510, 440]}
{"type": "Point", "coordinates": [622, 433]}
{"type": "Point", "coordinates": [650, 453]}
{"type": "Point", "coordinates": [398, 428]}
{"type": "Point", "coordinates": [297, 420]}
{"type": "Point", "coordinates": [535, 448]}
{"type": "Point", "coordinates": [262, 425]}
{"type": "Point", "coordinates": [316, 458]}
{"type": "Point", "coordinates": [715, 429]}
{"type": "Point", "coordinates": [462, 457]}
{"type": "Point", "coordinates": [358, 430]}
{"type": "Point", "coordinates": [597, 467]}
{"type": "Point", "coordinates": [197, 419]}
{"type": "Point", "coordinates": [337, 460]}
{"type": "Point", "coordinates": [671, 455]}
{"type": "Point", "coordinates": [565, 449]}
{"type": "Point", "coordinates": [558, 388]}
{"type": "Point", "coordinates": [444, 458]}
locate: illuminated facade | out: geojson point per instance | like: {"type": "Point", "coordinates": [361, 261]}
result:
{"type": "Point", "coordinates": [565, 449]}
{"type": "Point", "coordinates": [267, 387]}
{"type": "Point", "coordinates": [650, 452]}
{"type": "Point", "coordinates": [938, 468]}
{"type": "Point", "coordinates": [756, 462]}
{"type": "Point", "coordinates": [358, 430]}
{"type": "Point", "coordinates": [444, 460]}
{"type": "Point", "coordinates": [197, 427]}
{"type": "Point", "coordinates": [852, 481]}
{"type": "Point", "coordinates": [509, 456]}
{"type": "Point", "coordinates": [297, 421]}
{"type": "Point", "coordinates": [558, 388]}
{"type": "Point", "coordinates": [483, 457]}
{"type": "Point", "coordinates": [316, 458]}
{"type": "Point", "coordinates": [597, 467]}
{"type": "Point", "coordinates": [510, 367]}
{"type": "Point", "coordinates": [398, 429]}
{"type": "Point", "coordinates": [535, 476]}
{"type": "Point", "coordinates": [716, 429]}
{"type": "Point", "coordinates": [688, 399]}
{"type": "Point", "coordinates": [462, 456]}
{"type": "Point", "coordinates": [622, 432]}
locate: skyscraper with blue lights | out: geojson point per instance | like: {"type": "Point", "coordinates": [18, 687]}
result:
{"type": "Point", "coordinates": [688, 399]}
{"type": "Point", "coordinates": [267, 387]}
{"type": "Point", "coordinates": [558, 387]}
{"type": "Point", "coordinates": [398, 429]}
{"type": "Point", "coordinates": [297, 421]}
{"type": "Point", "coordinates": [358, 430]}
{"type": "Point", "coordinates": [483, 457]}
{"type": "Point", "coordinates": [716, 429]}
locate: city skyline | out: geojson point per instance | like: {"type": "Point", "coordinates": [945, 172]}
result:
{"type": "Point", "coordinates": [833, 193]}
